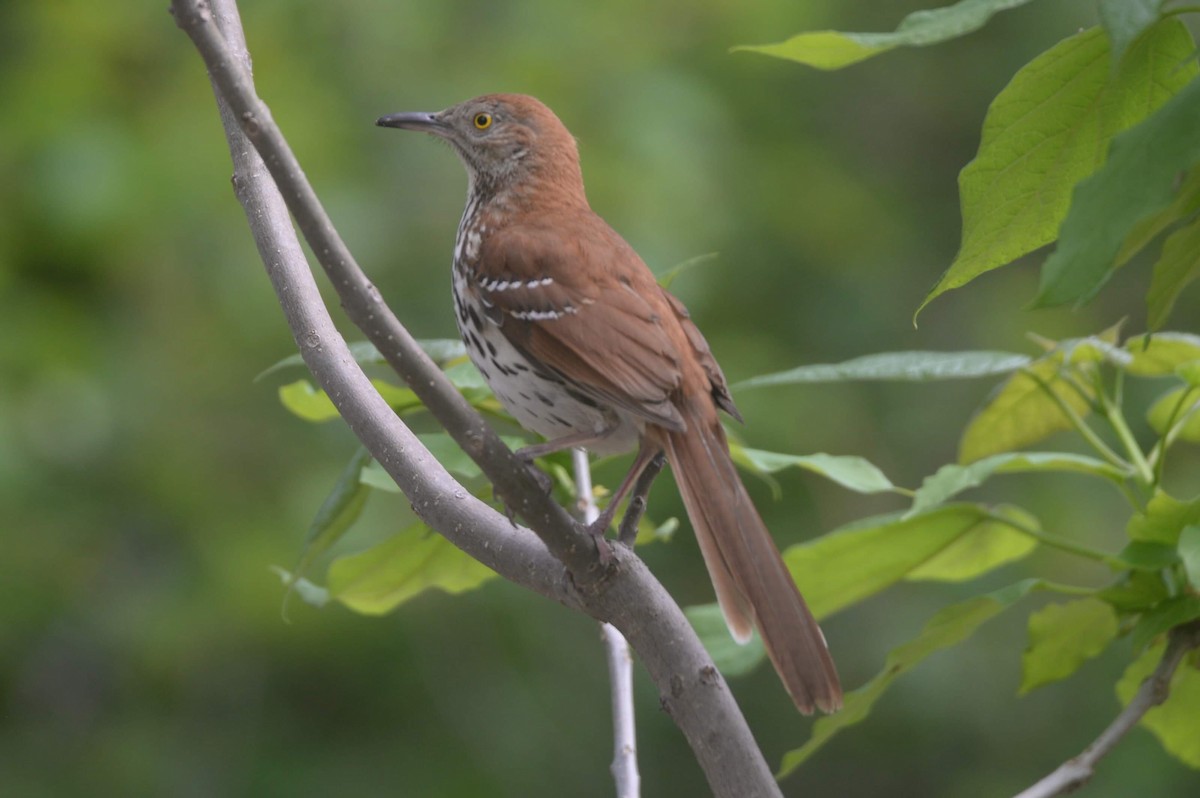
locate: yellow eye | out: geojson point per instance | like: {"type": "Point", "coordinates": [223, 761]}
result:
{"type": "Point", "coordinates": [483, 121]}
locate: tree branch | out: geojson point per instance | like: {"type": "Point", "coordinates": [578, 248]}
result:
{"type": "Point", "coordinates": [1075, 772]}
{"type": "Point", "coordinates": [564, 568]}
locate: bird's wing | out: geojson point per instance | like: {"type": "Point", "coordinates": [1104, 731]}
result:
{"type": "Point", "coordinates": [587, 308]}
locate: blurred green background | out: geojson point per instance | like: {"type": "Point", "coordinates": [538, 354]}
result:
{"type": "Point", "coordinates": [147, 482]}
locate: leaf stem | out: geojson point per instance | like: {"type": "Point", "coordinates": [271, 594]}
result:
{"type": "Point", "coordinates": [1117, 419]}
{"type": "Point", "coordinates": [1057, 542]}
{"type": "Point", "coordinates": [1065, 589]}
{"type": "Point", "coordinates": [1087, 432]}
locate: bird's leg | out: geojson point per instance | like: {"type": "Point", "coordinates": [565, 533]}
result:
{"type": "Point", "coordinates": [531, 453]}
{"type": "Point", "coordinates": [628, 531]}
{"type": "Point", "coordinates": [646, 465]}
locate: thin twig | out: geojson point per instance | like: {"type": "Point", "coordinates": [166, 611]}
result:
{"type": "Point", "coordinates": [1075, 772]}
{"type": "Point", "coordinates": [620, 661]}
{"type": "Point", "coordinates": [626, 595]}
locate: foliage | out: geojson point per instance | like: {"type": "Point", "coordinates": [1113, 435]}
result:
{"type": "Point", "coordinates": [1094, 144]}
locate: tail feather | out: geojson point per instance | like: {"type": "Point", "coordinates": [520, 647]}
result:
{"type": "Point", "coordinates": [753, 586]}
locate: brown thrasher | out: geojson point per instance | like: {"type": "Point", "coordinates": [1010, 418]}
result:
{"type": "Point", "coordinates": [582, 346]}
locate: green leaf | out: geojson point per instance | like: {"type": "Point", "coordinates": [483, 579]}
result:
{"type": "Point", "coordinates": [386, 575]}
{"type": "Point", "coordinates": [857, 561]}
{"type": "Point", "coordinates": [1148, 555]}
{"type": "Point", "coordinates": [1021, 413]}
{"type": "Point", "coordinates": [1047, 130]}
{"type": "Point", "coordinates": [1139, 178]}
{"type": "Point", "coordinates": [1167, 410]}
{"type": "Point", "coordinates": [1178, 265]}
{"type": "Point", "coordinates": [1189, 552]}
{"type": "Point", "coordinates": [1125, 20]}
{"type": "Point", "coordinates": [849, 471]}
{"type": "Point", "coordinates": [1160, 354]}
{"type": "Point", "coordinates": [340, 509]}
{"type": "Point", "coordinates": [1163, 618]}
{"type": "Point", "coordinates": [1064, 636]}
{"type": "Point", "coordinates": [984, 547]}
{"type": "Point", "coordinates": [898, 366]}
{"type": "Point", "coordinates": [950, 480]}
{"type": "Point", "coordinates": [1163, 520]}
{"type": "Point", "coordinates": [310, 403]}
{"type": "Point", "coordinates": [1175, 722]}
{"type": "Point", "coordinates": [440, 350]}
{"type": "Point", "coordinates": [834, 50]}
{"type": "Point", "coordinates": [730, 657]}
{"type": "Point", "coordinates": [1135, 591]}
{"type": "Point", "coordinates": [950, 626]}
{"type": "Point", "coordinates": [1187, 202]}
{"type": "Point", "coordinates": [666, 278]}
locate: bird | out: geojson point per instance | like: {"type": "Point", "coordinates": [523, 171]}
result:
{"type": "Point", "coordinates": [581, 345]}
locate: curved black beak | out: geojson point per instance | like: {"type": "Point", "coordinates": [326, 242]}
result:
{"type": "Point", "coordinates": [420, 120]}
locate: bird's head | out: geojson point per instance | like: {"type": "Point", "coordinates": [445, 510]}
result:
{"type": "Point", "coordinates": [503, 140]}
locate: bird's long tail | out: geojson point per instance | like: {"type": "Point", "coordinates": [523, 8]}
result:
{"type": "Point", "coordinates": [752, 583]}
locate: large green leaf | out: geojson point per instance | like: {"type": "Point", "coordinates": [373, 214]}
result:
{"type": "Point", "coordinates": [952, 479]}
{"type": "Point", "coordinates": [1125, 20]}
{"type": "Point", "coordinates": [1048, 129]}
{"type": "Point", "coordinates": [1064, 636]}
{"type": "Point", "coordinates": [950, 626]}
{"type": "Point", "coordinates": [849, 471]}
{"type": "Point", "coordinates": [952, 543]}
{"type": "Point", "coordinates": [899, 367]}
{"type": "Point", "coordinates": [833, 49]}
{"type": "Point", "coordinates": [1178, 265]}
{"type": "Point", "coordinates": [1175, 722]}
{"type": "Point", "coordinates": [386, 575]}
{"type": "Point", "coordinates": [1138, 179]}
{"type": "Point", "coordinates": [1163, 520]}
{"type": "Point", "coordinates": [1160, 354]}
{"type": "Point", "coordinates": [730, 657]}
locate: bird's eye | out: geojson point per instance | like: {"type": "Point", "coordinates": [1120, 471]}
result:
{"type": "Point", "coordinates": [483, 121]}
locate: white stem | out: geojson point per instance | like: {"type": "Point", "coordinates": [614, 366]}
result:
{"type": "Point", "coordinates": [620, 661]}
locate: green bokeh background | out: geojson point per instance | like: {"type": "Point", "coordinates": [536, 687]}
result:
{"type": "Point", "coordinates": [147, 482]}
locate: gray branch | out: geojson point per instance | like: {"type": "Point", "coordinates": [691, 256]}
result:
{"type": "Point", "coordinates": [1077, 771]}
{"type": "Point", "coordinates": [559, 560]}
